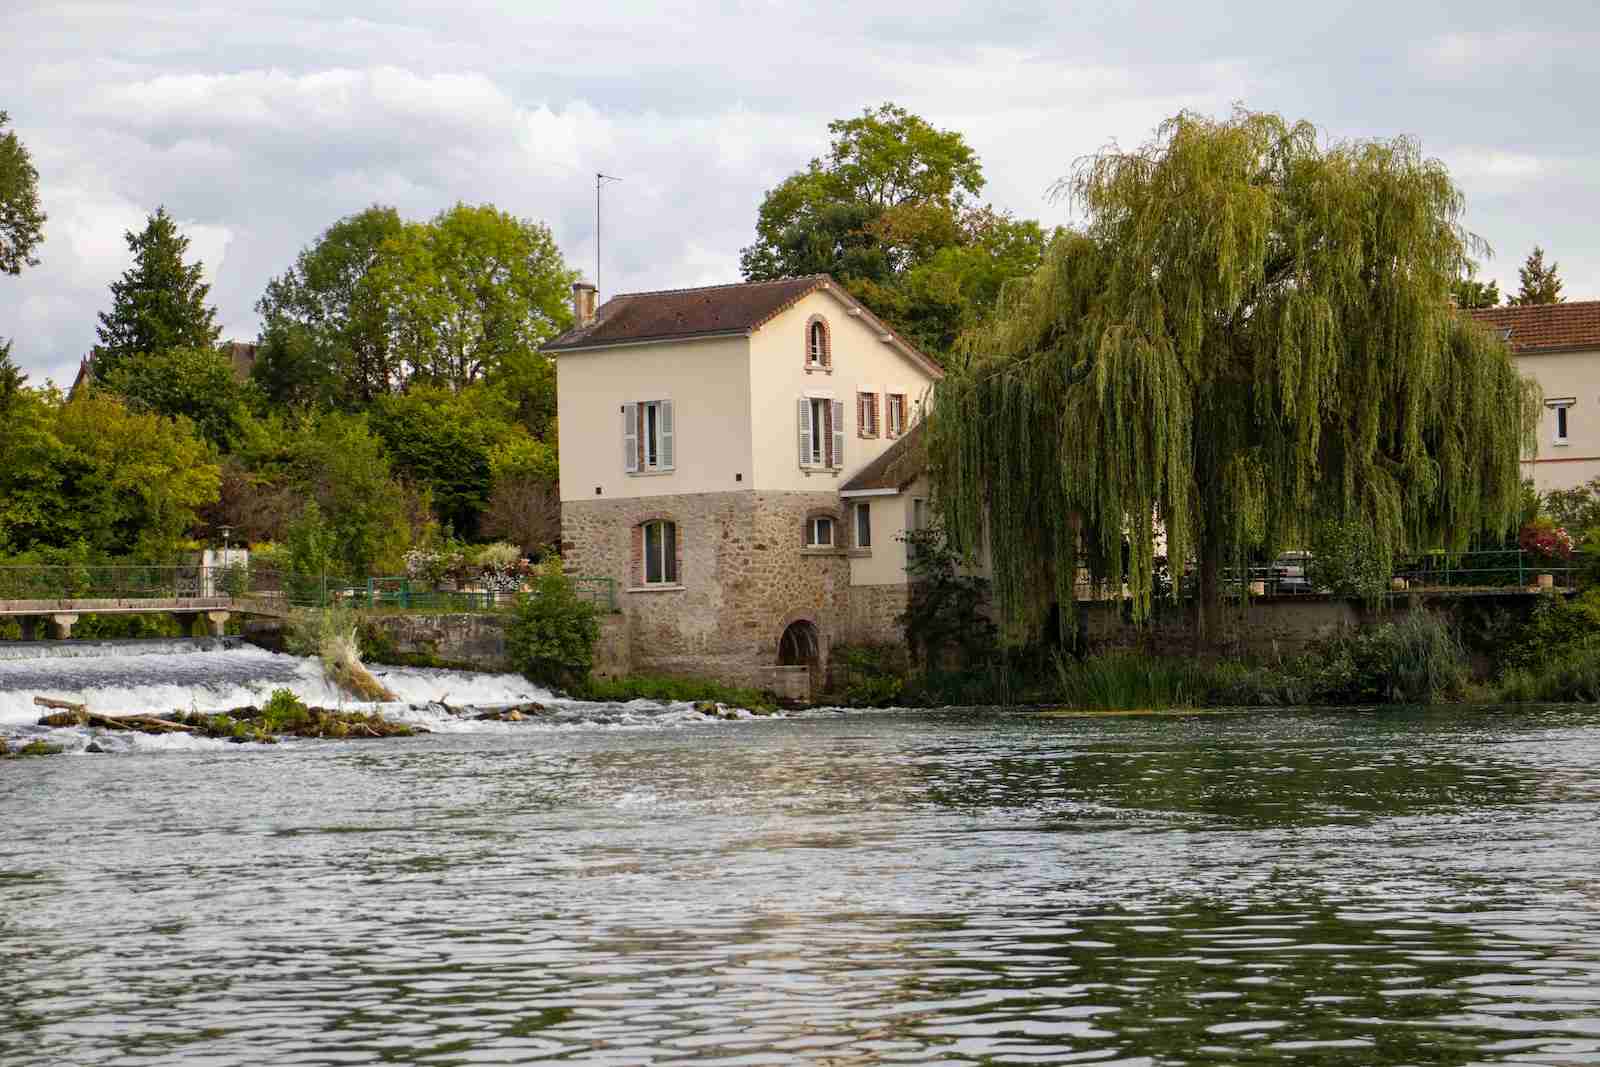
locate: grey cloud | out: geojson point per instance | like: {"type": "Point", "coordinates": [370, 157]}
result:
{"type": "Point", "coordinates": [266, 122]}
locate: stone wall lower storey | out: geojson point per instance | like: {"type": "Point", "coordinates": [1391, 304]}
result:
{"type": "Point", "coordinates": [745, 575]}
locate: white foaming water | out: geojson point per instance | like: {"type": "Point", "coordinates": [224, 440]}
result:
{"type": "Point", "coordinates": [174, 676]}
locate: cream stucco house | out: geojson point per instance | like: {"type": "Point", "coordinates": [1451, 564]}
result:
{"type": "Point", "coordinates": [1558, 345]}
{"type": "Point", "coordinates": [741, 461]}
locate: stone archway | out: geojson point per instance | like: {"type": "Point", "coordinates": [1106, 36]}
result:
{"type": "Point", "coordinates": [800, 645]}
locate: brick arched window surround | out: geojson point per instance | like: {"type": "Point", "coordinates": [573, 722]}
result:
{"type": "Point", "coordinates": [809, 531]}
{"type": "Point", "coordinates": [819, 343]}
{"type": "Point", "coordinates": [657, 550]}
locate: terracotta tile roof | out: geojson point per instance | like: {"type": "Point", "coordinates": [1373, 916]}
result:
{"type": "Point", "coordinates": [713, 311]}
{"type": "Point", "coordinates": [1546, 327]}
{"type": "Point", "coordinates": [681, 313]}
{"type": "Point", "coordinates": [897, 468]}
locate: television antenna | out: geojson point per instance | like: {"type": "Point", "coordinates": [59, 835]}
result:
{"type": "Point", "coordinates": [599, 180]}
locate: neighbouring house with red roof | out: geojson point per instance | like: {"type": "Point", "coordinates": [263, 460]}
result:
{"type": "Point", "coordinates": [742, 460]}
{"type": "Point", "coordinates": [1558, 346]}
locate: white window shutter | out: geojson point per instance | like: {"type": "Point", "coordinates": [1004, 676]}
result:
{"type": "Point", "coordinates": [666, 434]}
{"type": "Point", "coordinates": [837, 459]}
{"type": "Point", "coordinates": [630, 438]}
{"type": "Point", "coordinates": [805, 432]}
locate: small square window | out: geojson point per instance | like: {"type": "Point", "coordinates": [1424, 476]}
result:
{"type": "Point", "coordinates": [819, 532]}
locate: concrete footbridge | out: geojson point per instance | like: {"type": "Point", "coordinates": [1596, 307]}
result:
{"type": "Point", "coordinates": [58, 596]}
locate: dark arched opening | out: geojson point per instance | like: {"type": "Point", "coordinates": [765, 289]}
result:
{"type": "Point", "coordinates": [800, 646]}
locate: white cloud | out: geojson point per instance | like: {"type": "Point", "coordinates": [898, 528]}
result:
{"type": "Point", "coordinates": [259, 125]}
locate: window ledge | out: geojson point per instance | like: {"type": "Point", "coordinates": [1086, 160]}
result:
{"type": "Point", "coordinates": [661, 588]}
{"type": "Point", "coordinates": [812, 368]}
{"type": "Point", "coordinates": [821, 550]}
{"type": "Point", "coordinates": [859, 553]}
{"type": "Point", "coordinates": [808, 471]}
{"type": "Point", "coordinates": [1559, 444]}
{"type": "Point", "coordinates": [651, 474]}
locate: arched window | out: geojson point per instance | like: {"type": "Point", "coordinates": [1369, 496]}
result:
{"type": "Point", "coordinates": [657, 543]}
{"type": "Point", "coordinates": [819, 351]}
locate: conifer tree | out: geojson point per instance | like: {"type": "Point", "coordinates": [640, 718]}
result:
{"type": "Point", "coordinates": [1540, 284]}
{"type": "Point", "coordinates": [1251, 336]}
{"type": "Point", "coordinates": [159, 303]}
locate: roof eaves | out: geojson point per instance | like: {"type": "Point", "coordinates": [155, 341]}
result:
{"type": "Point", "coordinates": [654, 339]}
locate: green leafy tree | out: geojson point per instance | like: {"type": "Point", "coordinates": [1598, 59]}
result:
{"type": "Point", "coordinates": [158, 304]}
{"type": "Point", "coordinates": [471, 290]}
{"type": "Point", "coordinates": [890, 212]}
{"type": "Point", "coordinates": [338, 462]}
{"type": "Point", "coordinates": [196, 383]}
{"type": "Point", "coordinates": [442, 441]}
{"type": "Point", "coordinates": [1540, 284]}
{"type": "Point", "coordinates": [378, 305]}
{"type": "Point", "coordinates": [325, 336]}
{"type": "Point", "coordinates": [1249, 336]}
{"type": "Point", "coordinates": [94, 473]}
{"type": "Point", "coordinates": [1469, 293]}
{"type": "Point", "coordinates": [21, 220]}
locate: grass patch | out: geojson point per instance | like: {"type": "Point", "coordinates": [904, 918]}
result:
{"type": "Point", "coordinates": [673, 690]}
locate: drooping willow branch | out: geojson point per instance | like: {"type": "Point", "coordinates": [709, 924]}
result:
{"type": "Point", "coordinates": [1250, 336]}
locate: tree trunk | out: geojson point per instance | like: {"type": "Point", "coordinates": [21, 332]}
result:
{"type": "Point", "coordinates": [1208, 597]}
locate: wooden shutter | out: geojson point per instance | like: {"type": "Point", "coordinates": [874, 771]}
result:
{"type": "Point", "coordinates": [664, 421]}
{"type": "Point", "coordinates": [630, 438]}
{"type": "Point", "coordinates": [837, 458]}
{"type": "Point", "coordinates": [805, 432]}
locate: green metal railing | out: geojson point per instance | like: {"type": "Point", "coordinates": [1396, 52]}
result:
{"type": "Point", "coordinates": [1510, 568]}
{"type": "Point", "coordinates": [135, 582]}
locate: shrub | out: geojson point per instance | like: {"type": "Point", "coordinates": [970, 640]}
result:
{"type": "Point", "coordinates": [1573, 675]}
{"type": "Point", "coordinates": [1558, 627]}
{"type": "Point", "coordinates": [1346, 560]}
{"type": "Point", "coordinates": [552, 633]}
{"type": "Point", "coordinates": [282, 711]}
{"type": "Point", "coordinates": [1415, 660]}
{"type": "Point", "coordinates": [1543, 538]}
{"type": "Point", "coordinates": [1126, 680]}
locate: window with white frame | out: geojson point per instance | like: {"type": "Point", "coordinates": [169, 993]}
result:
{"type": "Point", "coordinates": [863, 525]}
{"type": "Point", "coordinates": [1561, 407]}
{"type": "Point", "coordinates": [648, 437]}
{"type": "Point", "coordinates": [866, 414]}
{"type": "Point", "coordinates": [896, 408]}
{"type": "Point", "coordinates": [821, 428]}
{"type": "Point", "coordinates": [818, 347]}
{"type": "Point", "coordinates": [819, 532]}
{"type": "Point", "coordinates": [659, 545]}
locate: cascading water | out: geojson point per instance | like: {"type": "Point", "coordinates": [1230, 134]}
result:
{"type": "Point", "coordinates": [163, 676]}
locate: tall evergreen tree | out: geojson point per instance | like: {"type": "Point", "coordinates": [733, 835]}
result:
{"type": "Point", "coordinates": [160, 302]}
{"type": "Point", "coordinates": [12, 379]}
{"type": "Point", "coordinates": [21, 220]}
{"type": "Point", "coordinates": [1250, 337]}
{"type": "Point", "coordinates": [1540, 284]}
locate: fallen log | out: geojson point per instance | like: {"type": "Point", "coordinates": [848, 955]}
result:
{"type": "Point", "coordinates": [70, 714]}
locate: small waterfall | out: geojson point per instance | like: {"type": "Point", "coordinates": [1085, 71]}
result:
{"type": "Point", "coordinates": [210, 675]}
{"type": "Point", "coordinates": [14, 650]}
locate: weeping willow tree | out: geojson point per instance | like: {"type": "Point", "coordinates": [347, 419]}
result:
{"type": "Point", "coordinates": [1251, 334]}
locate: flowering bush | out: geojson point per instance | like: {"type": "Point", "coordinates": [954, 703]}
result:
{"type": "Point", "coordinates": [1543, 537]}
{"type": "Point", "coordinates": [502, 567]}
{"type": "Point", "coordinates": [435, 566]}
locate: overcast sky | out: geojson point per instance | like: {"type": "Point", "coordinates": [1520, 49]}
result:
{"type": "Point", "coordinates": [259, 124]}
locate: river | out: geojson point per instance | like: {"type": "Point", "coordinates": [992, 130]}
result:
{"type": "Point", "coordinates": [637, 885]}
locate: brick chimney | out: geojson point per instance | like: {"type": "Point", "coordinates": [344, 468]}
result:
{"type": "Point", "coordinates": [585, 297]}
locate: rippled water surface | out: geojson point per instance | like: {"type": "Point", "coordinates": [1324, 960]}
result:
{"type": "Point", "coordinates": [836, 889]}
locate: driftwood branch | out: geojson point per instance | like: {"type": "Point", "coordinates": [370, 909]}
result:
{"type": "Point", "coordinates": [71, 714]}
